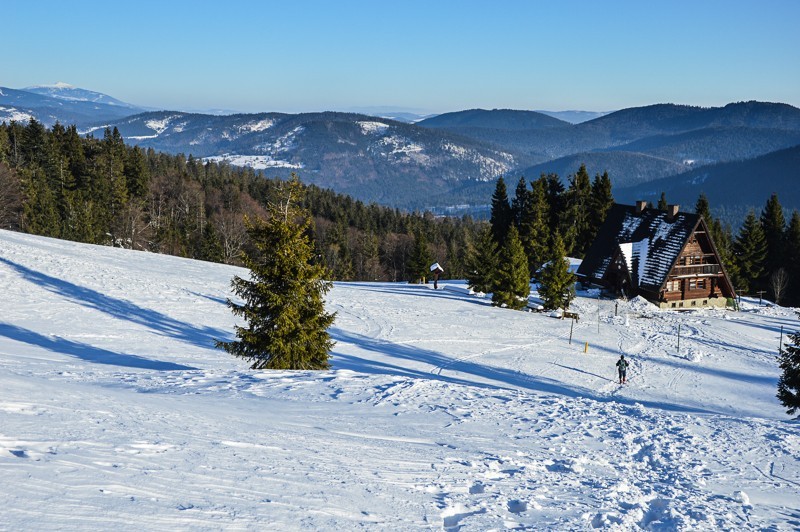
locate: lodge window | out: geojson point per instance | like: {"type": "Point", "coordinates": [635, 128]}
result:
{"type": "Point", "coordinates": [701, 284]}
{"type": "Point", "coordinates": [673, 286]}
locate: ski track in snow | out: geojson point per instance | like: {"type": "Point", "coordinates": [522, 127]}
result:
{"type": "Point", "coordinates": [441, 412]}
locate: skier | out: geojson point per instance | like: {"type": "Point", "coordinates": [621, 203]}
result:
{"type": "Point", "coordinates": [622, 367]}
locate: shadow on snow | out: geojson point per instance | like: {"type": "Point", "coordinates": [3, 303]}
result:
{"type": "Point", "coordinates": [122, 309]}
{"type": "Point", "coordinates": [85, 352]}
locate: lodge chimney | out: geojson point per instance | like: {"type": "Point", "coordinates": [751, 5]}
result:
{"type": "Point", "coordinates": [672, 212]}
{"type": "Point", "coordinates": [641, 205]}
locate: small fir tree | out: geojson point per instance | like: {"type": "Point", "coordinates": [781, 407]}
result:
{"type": "Point", "coordinates": [750, 250]}
{"type": "Point", "coordinates": [556, 279]}
{"type": "Point", "coordinates": [662, 202]}
{"type": "Point", "coordinates": [703, 208]}
{"type": "Point", "coordinates": [482, 262]}
{"type": "Point", "coordinates": [502, 215]}
{"type": "Point", "coordinates": [789, 381]}
{"type": "Point", "coordinates": [513, 280]}
{"type": "Point", "coordinates": [283, 299]}
{"type": "Point", "coordinates": [421, 259]}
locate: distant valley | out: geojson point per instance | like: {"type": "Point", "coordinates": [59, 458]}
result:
{"type": "Point", "coordinates": [453, 159]}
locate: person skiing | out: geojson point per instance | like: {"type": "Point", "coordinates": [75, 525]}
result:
{"type": "Point", "coordinates": [622, 368]}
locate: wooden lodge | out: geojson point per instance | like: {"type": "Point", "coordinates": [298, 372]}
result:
{"type": "Point", "coordinates": [667, 257]}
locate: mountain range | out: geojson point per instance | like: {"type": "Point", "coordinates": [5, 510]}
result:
{"type": "Point", "coordinates": [439, 162]}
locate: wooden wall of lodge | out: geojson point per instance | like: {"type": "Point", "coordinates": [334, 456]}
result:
{"type": "Point", "coordinates": [692, 253]}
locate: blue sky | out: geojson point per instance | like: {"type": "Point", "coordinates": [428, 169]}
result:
{"type": "Point", "coordinates": [429, 56]}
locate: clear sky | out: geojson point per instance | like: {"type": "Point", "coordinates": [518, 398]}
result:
{"type": "Point", "coordinates": [429, 56]}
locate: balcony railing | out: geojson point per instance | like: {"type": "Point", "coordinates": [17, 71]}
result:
{"type": "Point", "coordinates": [699, 269]}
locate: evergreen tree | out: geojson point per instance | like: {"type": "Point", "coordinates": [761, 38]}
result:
{"type": "Point", "coordinates": [421, 259]}
{"type": "Point", "coordinates": [576, 223]}
{"type": "Point", "coordinates": [555, 201]}
{"type": "Point", "coordinates": [703, 208]}
{"type": "Point", "coordinates": [556, 281]}
{"type": "Point", "coordinates": [773, 223]}
{"type": "Point", "coordinates": [662, 202]}
{"type": "Point", "coordinates": [513, 278]}
{"type": "Point", "coordinates": [789, 381]}
{"type": "Point", "coordinates": [750, 251]}
{"type": "Point", "coordinates": [482, 262]}
{"type": "Point", "coordinates": [520, 202]}
{"type": "Point", "coordinates": [283, 300]}
{"type": "Point", "coordinates": [533, 230]}
{"type": "Point", "coordinates": [792, 260]}
{"type": "Point", "coordinates": [502, 216]}
{"type": "Point", "coordinates": [600, 201]}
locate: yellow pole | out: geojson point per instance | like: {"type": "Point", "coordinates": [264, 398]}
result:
{"type": "Point", "coordinates": [586, 347]}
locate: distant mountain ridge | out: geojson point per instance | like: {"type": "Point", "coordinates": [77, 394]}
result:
{"type": "Point", "coordinates": [439, 161]}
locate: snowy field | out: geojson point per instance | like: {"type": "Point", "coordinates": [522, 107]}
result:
{"type": "Point", "coordinates": [441, 412]}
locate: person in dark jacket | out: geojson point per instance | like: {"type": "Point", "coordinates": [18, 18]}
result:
{"type": "Point", "coordinates": [622, 368]}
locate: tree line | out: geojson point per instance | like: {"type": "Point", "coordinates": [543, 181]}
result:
{"type": "Point", "coordinates": [99, 190]}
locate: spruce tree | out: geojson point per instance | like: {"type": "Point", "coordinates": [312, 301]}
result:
{"type": "Point", "coordinates": [502, 216]}
{"type": "Point", "coordinates": [556, 280]}
{"type": "Point", "coordinates": [750, 251]}
{"type": "Point", "coordinates": [513, 278]}
{"type": "Point", "coordinates": [773, 222]}
{"type": "Point", "coordinates": [283, 299]}
{"type": "Point", "coordinates": [576, 223]}
{"type": "Point", "coordinates": [600, 202]}
{"type": "Point", "coordinates": [792, 260]}
{"type": "Point", "coordinates": [421, 259]}
{"type": "Point", "coordinates": [662, 202]}
{"type": "Point", "coordinates": [789, 381]}
{"type": "Point", "coordinates": [703, 208]}
{"type": "Point", "coordinates": [482, 262]}
{"type": "Point", "coordinates": [520, 202]}
{"type": "Point", "coordinates": [533, 230]}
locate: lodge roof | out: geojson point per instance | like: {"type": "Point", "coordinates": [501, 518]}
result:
{"type": "Point", "coordinates": [650, 242]}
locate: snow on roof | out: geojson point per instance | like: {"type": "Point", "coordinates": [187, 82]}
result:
{"type": "Point", "coordinates": [650, 242]}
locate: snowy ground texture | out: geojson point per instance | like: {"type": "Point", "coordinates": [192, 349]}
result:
{"type": "Point", "coordinates": [441, 412]}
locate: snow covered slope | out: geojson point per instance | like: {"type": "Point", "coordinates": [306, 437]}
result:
{"type": "Point", "coordinates": [441, 411]}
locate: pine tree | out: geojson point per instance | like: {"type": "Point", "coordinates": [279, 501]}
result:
{"type": "Point", "coordinates": [575, 223]}
{"type": "Point", "coordinates": [520, 202]}
{"type": "Point", "coordinates": [556, 280]}
{"type": "Point", "coordinates": [703, 208]}
{"type": "Point", "coordinates": [421, 259]}
{"type": "Point", "coordinates": [502, 216]}
{"type": "Point", "coordinates": [482, 263]}
{"type": "Point", "coordinates": [662, 202]}
{"type": "Point", "coordinates": [533, 230]}
{"type": "Point", "coordinates": [773, 222]}
{"type": "Point", "coordinates": [513, 277]}
{"type": "Point", "coordinates": [750, 251]}
{"type": "Point", "coordinates": [283, 300]}
{"type": "Point", "coordinates": [789, 381]}
{"type": "Point", "coordinates": [792, 260]}
{"type": "Point", "coordinates": [600, 201]}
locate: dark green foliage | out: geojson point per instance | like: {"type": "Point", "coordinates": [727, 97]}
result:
{"type": "Point", "coordinates": [789, 381]}
{"type": "Point", "coordinates": [482, 262]}
{"type": "Point", "coordinates": [421, 260]}
{"type": "Point", "coordinates": [512, 278]}
{"type": "Point", "coordinates": [703, 208]}
{"type": "Point", "coordinates": [502, 216]}
{"type": "Point", "coordinates": [556, 281]}
{"type": "Point", "coordinates": [533, 229]}
{"type": "Point", "coordinates": [792, 260]}
{"type": "Point", "coordinates": [773, 222]}
{"type": "Point", "coordinates": [662, 204]}
{"type": "Point", "coordinates": [750, 252]}
{"type": "Point", "coordinates": [600, 201]}
{"type": "Point", "coordinates": [283, 299]}
{"type": "Point", "coordinates": [576, 223]}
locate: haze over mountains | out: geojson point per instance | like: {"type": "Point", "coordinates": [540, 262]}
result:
{"type": "Point", "coordinates": [453, 159]}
